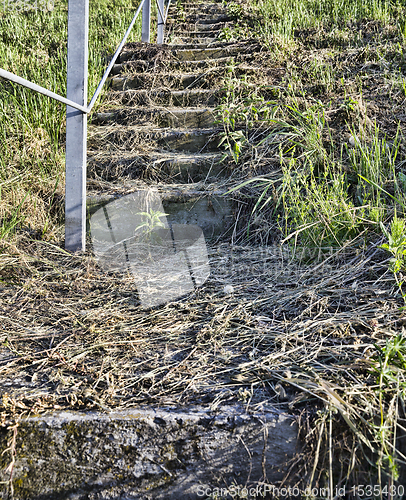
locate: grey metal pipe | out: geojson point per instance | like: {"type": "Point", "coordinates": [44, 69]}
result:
{"type": "Point", "coordinates": [76, 126]}
{"type": "Point", "coordinates": [161, 21]}
{"type": "Point", "coordinates": [37, 88]}
{"type": "Point", "coordinates": [146, 22]}
{"type": "Point", "coordinates": [167, 11]}
{"type": "Point", "coordinates": [112, 62]}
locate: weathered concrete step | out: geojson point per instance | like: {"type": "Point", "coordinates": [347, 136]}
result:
{"type": "Point", "coordinates": [173, 27]}
{"type": "Point", "coordinates": [131, 138]}
{"type": "Point", "coordinates": [163, 167]}
{"type": "Point", "coordinates": [213, 11]}
{"type": "Point", "coordinates": [197, 54]}
{"type": "Point", "coordinates": [202, 80]}
{"type": "Point", "coordinates": [199, 7]}
{"type": "Point", "coordinates": [141, 66]}
{"type": "Point", "coordinates": [176, 39]}
{"type": "Point", "coordinates": [169, 80]}
{"type": "Point", "coordinates": [186, 5]}
{"type": "Point", "coordinates": [164, 97]}
{"type": "Point", "coordinates": [167, 117]}
{"type": "Point", "coordinates": [208, 18]}
{"type": "Point", "coordinates": [147, 454]}
{"type": "Point", "coordinates": [187, 46]}
{"type": "Point", "coordinates": [131, 51]}
{"type": "Point", "coordinates": [198, 34]}
{"type": "Point", "coordinates": [201, 204]}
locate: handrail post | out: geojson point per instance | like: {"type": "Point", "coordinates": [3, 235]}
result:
{"type": "Point", "coordinates": [161, 22]}
{"type": "Point", "coordinates": [146, 22]}
{"type": "Point", "coordinates": [76, 126]}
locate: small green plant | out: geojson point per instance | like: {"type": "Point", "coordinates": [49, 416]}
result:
{"type": "Point", "coordinates": [374, 160]}
{"type": "Point", "coordinates": [235, 10]}
{"type": "Point", "coordinates": [147, 229]}
{"type": "Point", "coordinates": [349, 104]}
{"type": "Point", "coordinates": [396, 243]}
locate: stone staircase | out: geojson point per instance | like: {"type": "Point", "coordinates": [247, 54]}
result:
{"type": "Point", "coordinates": [158, 128]}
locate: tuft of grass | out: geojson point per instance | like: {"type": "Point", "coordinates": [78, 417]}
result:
{"type": "Point", "coordinates": [281, 18]}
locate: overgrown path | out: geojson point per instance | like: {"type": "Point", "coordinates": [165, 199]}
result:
{"type": "Point", "coordinates": [161, 130]}
{"type": "Point", "coordinates": [135, 403]}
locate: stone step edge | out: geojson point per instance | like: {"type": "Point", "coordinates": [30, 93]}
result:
{"type": "Point", "coordinates": [160, 156]}
{"type": "Point", "coordinates": [163, 91]}
{"type": "Point", "coordinates": [95, 129]}
{"type": "Point", "coordinates": [168, 192]}
{"type": "Point", "coordinates": [220, 44]}
{"type": "Point", "coordinates": [128, 65]}
{"type": "Point", "coordinates": [149, 453]}
{"type": "Point", "coordinates": [118, 79]}
{"type": "Point", "coordinates": [132, 111]}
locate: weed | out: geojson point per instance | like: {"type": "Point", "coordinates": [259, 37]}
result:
{"type": "Point", "coordinates": [390, 369]}
{"type": "Point", "coordinates": [151, 223]}
{"type": "Point", "coordinates": [241, 108]}
{"type": "Point", "coordinates": [396, 246]}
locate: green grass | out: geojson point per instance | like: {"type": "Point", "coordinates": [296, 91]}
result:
{"type": "Point", "coordinates": [283, 17]}
{"type": "Point", "coordinates": [32, 126]}
{"type": "Point", "coordinates": [342, 172]}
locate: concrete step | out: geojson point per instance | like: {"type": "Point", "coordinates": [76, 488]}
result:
{"type": "Point", "coordinates": [197, 26]}
{"type": "Point", "coordinates": [164, 97]}
{"type": "Point", "coordinates": [214, 10]}
{"type": "Point", "coordinates": [169, 80]}
{"type": "Point", "coordinates": [197, 34]}
{"type": "Point", "coordinates": [208, 18]}
{"type": "Point", "coordinates": [201, 204]}
{"type": "Point", "coordinates": [174, 117]}
{"type": "Point", "coordinates": [187, 40]}
{"type": "Point", "coordinates": [148, 454]}
{"type": "Point", "coordinates": [162, 167]}
{"type": "Point", "coordinates": [203, 80]}
{"type": "Point", "coordinates": [133, 51]}
{"type": "Point", "coordinates": [187, 5]}
{"type": "Point", "coordinates": [198, 54]}
{"type": "Point", "coordinates": [199, 7]}
{"type": "Point", "coordinates": [131, 138]}
{"type": "Point", "coordinates": [142, 66]}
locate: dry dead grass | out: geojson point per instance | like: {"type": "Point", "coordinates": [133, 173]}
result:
{"type": "Point", "coordinates": [290, 335]}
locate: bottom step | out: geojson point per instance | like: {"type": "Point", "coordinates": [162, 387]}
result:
{"type": "Point", "coordinates": [208, 208]}
{"type": "Point", "coordinates": [148, 454]}
{"type": "Point", "coordinates": [167, 167]}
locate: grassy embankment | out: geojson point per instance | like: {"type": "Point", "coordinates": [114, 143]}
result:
{"type": "Point", "coordinates": [329, 171]}
{"type": "Point", "coordinates": [333, 115]}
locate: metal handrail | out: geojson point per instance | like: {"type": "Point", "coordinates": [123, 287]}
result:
{"type": "Point", "coordinates": [41, 90]}
{"type": "Point", "coordinates": [112, 62]}
{"type": "Point", "coordinates": [160, 10]}
{"type": "Point", "coordinates": [76, 123]}
{"type": "Point", "coordinates": [85, 109]}
{"type": "Point", "coordinates": [117, 52]}
{"type": "Point", "coordinates": [167, 11]}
